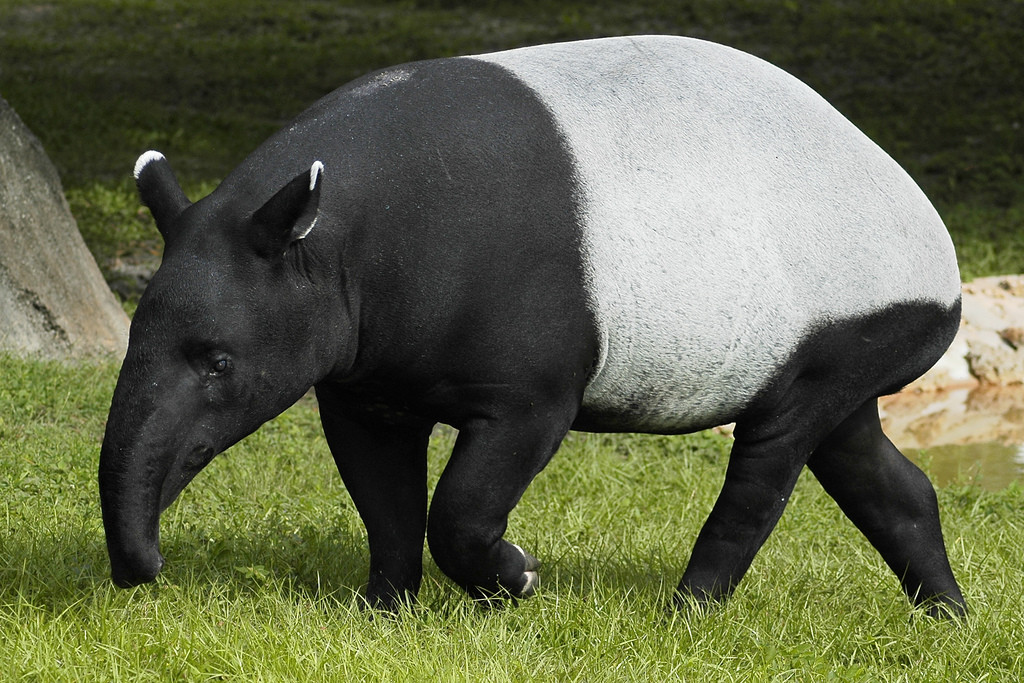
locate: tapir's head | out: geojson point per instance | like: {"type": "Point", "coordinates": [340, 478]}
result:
{"type": "Point", "coordinates": [232, 330]}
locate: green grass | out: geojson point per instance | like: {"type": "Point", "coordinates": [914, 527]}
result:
{"type": "Point", "coordinates": [989, 240]}
{"type": "Point", "coordinates": [267, 558]}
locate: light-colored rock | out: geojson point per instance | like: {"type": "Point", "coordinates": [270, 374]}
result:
{"type": "Point", "coordinates": [951, 371]}
{"type": "Point", "coordinates": [989, 347]}
{"type": "Point", "coordinates": [53, 299]}
{"type": "Point", "coordinates": [1014, 336]}
{"type": "Point", "coordinates": [975, 393]}
{"type": "Point", "coordinates": [984, 414]}
{"type": "Point", "coordinates": [978, 311]}
{"type": "Point", "coordinates": [993, 360]}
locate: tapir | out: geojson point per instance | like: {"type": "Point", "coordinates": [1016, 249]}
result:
{"type": "Point", "coordinates": [639, 234]}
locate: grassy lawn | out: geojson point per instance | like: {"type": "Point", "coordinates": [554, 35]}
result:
{"type": "Point", "coordinates": [266, 558]}
{"type": "Point", "coordinates": [266, 555]}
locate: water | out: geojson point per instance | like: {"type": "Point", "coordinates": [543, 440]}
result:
{"type": "Point", "coordinates": [991, 466]}
{"type": "Point", "coordinates": [961, 434]}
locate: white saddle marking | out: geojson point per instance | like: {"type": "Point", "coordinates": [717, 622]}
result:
{"type": "Point", "coordinates": [727, 209]}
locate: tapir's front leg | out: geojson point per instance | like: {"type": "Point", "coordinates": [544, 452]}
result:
{"type": "Point", "coordinates": [493, 462]}
{"type": "Point", "coordinates": [384, 468]}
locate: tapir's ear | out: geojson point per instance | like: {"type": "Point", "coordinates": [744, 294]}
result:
{"type": "Point", "coordinates": [291, 213]}
{"type": "Point", "coordinates": [160, 191]}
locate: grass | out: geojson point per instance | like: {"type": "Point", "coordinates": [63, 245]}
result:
{"type": "Point", "coordinates": [266, 554]}
{"type": "Point", "coordinates": [266, 559]}
{"type": "Point", "coordinates": [989, 240]}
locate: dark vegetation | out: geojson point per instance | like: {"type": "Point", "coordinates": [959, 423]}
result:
{"type": "Point", "coordinates": [938, 84]}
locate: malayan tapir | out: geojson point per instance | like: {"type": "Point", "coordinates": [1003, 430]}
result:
{"type": "Point", "coordinates": [647, 234]}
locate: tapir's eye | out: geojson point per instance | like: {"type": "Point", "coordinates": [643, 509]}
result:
{"type": "Point", "coordinates": [208, 360]}
{"type": "Point", "coordinates": [219, 366]}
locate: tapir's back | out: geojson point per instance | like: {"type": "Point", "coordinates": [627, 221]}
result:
{"type": "Point", "coordinates": [728, 210]}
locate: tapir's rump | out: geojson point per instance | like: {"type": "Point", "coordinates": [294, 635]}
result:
{"type": "Point", "coordinates": [728, 210]}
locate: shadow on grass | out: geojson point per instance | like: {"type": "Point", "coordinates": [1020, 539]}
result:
{"type": "Point", "coordinates": [51, 578]}
{"type": "Point", "coordinates": [56, 573]}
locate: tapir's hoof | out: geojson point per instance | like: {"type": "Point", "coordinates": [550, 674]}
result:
{"type": "Point", "coordinates": [697, 602]}
{"type": "Point", "coordinates": [389, 604]}
{"type": "Point", "coordinates": [532, 577]}
{"type": "Point", "coordinates": [944, 607]}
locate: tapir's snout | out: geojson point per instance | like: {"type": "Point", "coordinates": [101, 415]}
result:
{"type": "Point", "coordinates": [132, 531]}
{"type": "Point", "coordinates": [131, 513]}
{"type": "Point", "coordinates": [130, 499]}
{"type": "Point", "coordinates": [142, 566]}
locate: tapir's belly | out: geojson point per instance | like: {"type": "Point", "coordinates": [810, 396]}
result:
{"type": "Point", "coordinates": [727, 210]}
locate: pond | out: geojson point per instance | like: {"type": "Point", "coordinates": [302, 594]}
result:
{"type": "Point", "coordinates": [977, 433]}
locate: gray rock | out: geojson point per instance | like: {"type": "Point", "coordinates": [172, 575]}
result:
{"type": "Point", "coordinates": [53, 299]}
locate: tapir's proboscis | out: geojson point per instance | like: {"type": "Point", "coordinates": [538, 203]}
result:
{"type": "Point", "coordinates": [646, 234]}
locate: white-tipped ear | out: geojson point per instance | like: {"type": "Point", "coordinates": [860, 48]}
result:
{"type": "Point", "coordinates": [146, 159]}
{"type": "Point", "coordinates": [314, 174]}
{"type": "Point", "coordinates": [160, 191]}
{"type": "Point", "coordinates": [291, 213]}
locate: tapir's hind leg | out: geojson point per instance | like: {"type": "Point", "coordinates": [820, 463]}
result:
{"type": "Point", "coordinates": [893, 504]}
{"type": "Point", "coordinates": [761, 474]}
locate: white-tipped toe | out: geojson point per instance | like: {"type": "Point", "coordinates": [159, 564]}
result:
{"type": "Point", "coordinates": [532, 576]}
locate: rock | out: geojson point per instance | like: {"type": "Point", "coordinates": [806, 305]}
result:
{"type": "Point", "coordinates": [977, 311]}
{"type": "Point", "coordinates": [984, 414]}
{"type": "Point", "coordinates": [53, 299]}
{"type": "Point", "coordinates": [996, 338]}
{"type": "Point", "coordinates": [1012, 284]}
{"type": "Point", "coordinates": [989, 347]}
{"type": "Point", "coordinates": [993, 361]}
{"type": "Point", "coordinates": [1014, 336]}
{"type": "Point", "coordinates": [952, 370]}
